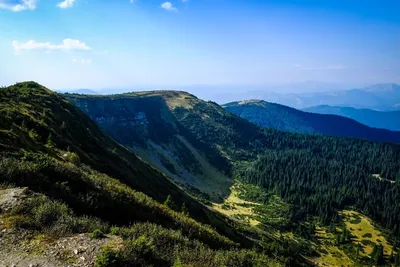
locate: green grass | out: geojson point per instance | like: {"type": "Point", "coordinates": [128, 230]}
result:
{"type": "Point", "coordinates": [149, 244]}
{"type": "Point", "coordinates": [84, 182]}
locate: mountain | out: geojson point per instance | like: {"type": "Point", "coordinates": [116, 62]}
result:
{"type": "Point", "coordinates": [80, 180]}
{"type": "Point", "coordinates": [276, 116]}
{"type": "Point", "coordinates": [82, 92]}
{"type": "Point", "coordinates": [389, 92]}
{"type": "Point", "coordinates": [202, 145]}
{"type": "Point", "coordinates": [383, 97]}
{"type": "Point", "coordinates": [298, 199]}
{"type": "Point", "coordinates": [379, 119]}
{"type": "Point", "coordinates": [159, 126]}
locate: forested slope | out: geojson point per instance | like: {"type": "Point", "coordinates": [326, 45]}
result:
{"type": "Point", "coordinates": [271, 115]}
{"type": "Point", "coordinates": [318, 173]}
{"type": "Point", "coordinates": [373, 118]}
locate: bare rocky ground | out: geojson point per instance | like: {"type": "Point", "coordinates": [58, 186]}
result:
{"type": "Point", "coordinates": [25, 248]}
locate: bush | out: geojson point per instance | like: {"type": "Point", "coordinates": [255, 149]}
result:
{"type": "Point", "coordinates": [107, 258]}
{"type": "Point", "coordinates": [72, 157]}
{"type": "Point", "coordinates": [147, 244]}
{"type": "Point", "coordinates": [55, 218]}
{"type": "Point", "coordinates": [97, 234]}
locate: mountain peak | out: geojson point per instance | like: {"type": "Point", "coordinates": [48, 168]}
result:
{"type": "Point", "coordinates": [32, 86]}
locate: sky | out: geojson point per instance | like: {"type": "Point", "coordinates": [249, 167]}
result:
{"type": "Point", "coordinates": [184, 43]}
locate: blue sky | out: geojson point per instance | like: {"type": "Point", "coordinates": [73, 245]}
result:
{"type": "Point", "coordinates": [154, 43]}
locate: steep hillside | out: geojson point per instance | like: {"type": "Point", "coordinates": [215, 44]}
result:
{"type": "Point", "coordinates": [191, 140]}
{"type": "Point", "coordinates": [36, 123]}
{"type": "Point", "coordinates": [223, 139]}
{"type": "Point", "coordinates": [271, 115]}
{"type": "Point", "coordinates": [49, 146]}
{"type": "Point", "coordinates": [292, 182]}
{"type": "Point", "coordinates": [379, 119]}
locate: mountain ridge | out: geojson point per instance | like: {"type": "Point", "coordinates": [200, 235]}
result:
{"type": "Point", "coordinates": [379, 119]}
{"type": "Point", "coordinates": [50, 146]}
{"type": "Point", "coordinates": [280, 117]}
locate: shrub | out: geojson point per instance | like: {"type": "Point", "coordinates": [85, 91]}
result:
{"type": "Point", "coordinates": [108, 257]}
{"type": "Point", "coordinates": [53, 217]}
{"type": "Point", "coordinates": [97, 234]}
{"type": "Point", "coordinates": [72, 157]}
{"type": "Point", "coordinates": [170, 203]}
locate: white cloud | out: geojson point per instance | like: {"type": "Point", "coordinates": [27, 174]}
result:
{"type": "Point", "coordinates": [66, 4]}
{"type": "Point", "coordinates": [169, 7]}
{"type": "Point", "coordinates": [18, 6]}
{"type": "Point", "coordinates": [67, 45]}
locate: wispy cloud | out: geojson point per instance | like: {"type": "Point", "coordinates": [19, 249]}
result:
{"type": "Point", "coordinates": [169, 7]}
{"type": "Point", "coordinates": [66, 45]}
{"type": "Point", "coordinates": [17, 6]}
{"type": "Point", "coordinates": [66, 4]}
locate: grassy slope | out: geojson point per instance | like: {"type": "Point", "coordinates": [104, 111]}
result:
{"type": "Point", "coordinates": [271, 115]}
{"type": "Point", "coordinates": [47, 144]}
{"type": "Point", "coordinates": [161, 137]}
{"type": "Point", "coordinates": [220, 137]}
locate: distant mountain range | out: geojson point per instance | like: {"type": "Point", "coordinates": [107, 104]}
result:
{"type": "Point", "coordinates": [276, 116]}
{"type": "Point", "coordinates": [383, 97]}
{"type": "Point", "coordinates": [379, 119]}
{"type": "Point", "coordinates": [82, 92]}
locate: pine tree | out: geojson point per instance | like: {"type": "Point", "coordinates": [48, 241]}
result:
{"type": "Point", "coordinates": [391, 257]}
{"type": "Point", "coordinates": [63, 126]}
{"type": "Point", "coordinates": [358, 250]}
{"type": "Point", "coordinates": [397, 260]}
{"type": "Point", "coordinates": [377, 255]}
{"type": "Point", "coordinates": [344, 237]}
{"type": "Point", "coordinates": [177, 263]}
{"type": "Point", "coordinates": [332, 227]}
{"type": "Point", "coordinates": [49, 142]}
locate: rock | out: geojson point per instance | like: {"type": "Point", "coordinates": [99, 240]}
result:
{"type": "Point", "coordinates": [9, 198]}
{"type": "Point", "coordinates": [82, 258]}
{"type": "Point", "coordinates": [76, 252]}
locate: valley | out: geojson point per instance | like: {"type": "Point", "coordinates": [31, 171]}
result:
{"type": "Point", "coordinates": [233, 192]}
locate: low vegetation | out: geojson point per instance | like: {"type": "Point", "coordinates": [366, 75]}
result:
{"type": "Point", "coordinates": [49, 146]}
{"type": "Point", "coordinates": [283, 209]}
